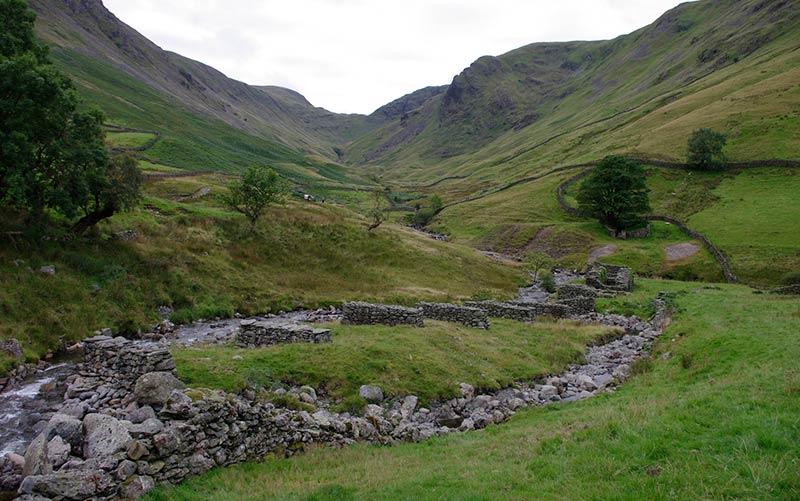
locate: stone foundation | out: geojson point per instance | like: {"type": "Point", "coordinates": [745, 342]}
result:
{"type": "Point", "coordinates": [610, 277]}
{"type": "Point", "coordinates": [255, 334]}
{"type": "Point", "coordinates": [471, 317]}
{"type": "Point", "coordinates": [358, 313]}
{"type": "Point", "coordinates": [499, 309]}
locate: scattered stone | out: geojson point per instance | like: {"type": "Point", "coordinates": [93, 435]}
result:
{"type": "Point", "coordinates": [13, 349]}
{"type": "Point", "coordinates": [36, 459]}
{"type": "Point", "coordinates": [48, 270]}
{"type": "Point", "coordinates": [371, 394]}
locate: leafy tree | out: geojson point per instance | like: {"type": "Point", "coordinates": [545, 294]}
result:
{"type": "Point", "coordinates": [258, 188]}
{"type": "Point", "coordinates": [421, 217]}
{"type": "Point", "coordinates": [536, 262]}
{"type": "Point", "coordinates": [616, 193]}
{"type": "Point", "coordinates": [377, 214]}
{"type": "Point", "coordinates": [705, 149]}
{"type": "Point", "coordinates": [52, 156]}
{"type": "Point", "coordinates": [115, 188]}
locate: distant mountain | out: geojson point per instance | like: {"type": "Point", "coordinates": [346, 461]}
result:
{"type": "Point", "coordinates": [546, 102]}
{"type": "Point", "coordinates": [556, 87]}
{"type": "Point", "coordinates": [87, 28]}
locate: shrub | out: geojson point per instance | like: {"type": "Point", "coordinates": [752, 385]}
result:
{"type": "Point", "coordinates": [791, 278]}
{"type": "Point", "coordinates": [353, 404]}
{"type": "Point", "coordinates": [548, 282]}
{"type": "Point", "coordinates": [705, 149]}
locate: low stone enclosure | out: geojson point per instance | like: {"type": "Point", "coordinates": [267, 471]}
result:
{"type": "Point", "coordinates": [498, 309]}
{"type": "Point", "coordinates": [610, 277]}
{"type": "Point", "coordinates": [471, 317]}
{"type": "Point", "coordinates": [259, 333]}
{"type": "Point", "coordinates": [359, 313]}
{"type": "Point", "coordinates": [162, 433]}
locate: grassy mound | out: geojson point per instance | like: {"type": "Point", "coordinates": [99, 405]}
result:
{"type": "Point", "coordinates": [428, 362]}
{"type": "Point", "coordinates": [717, 418]}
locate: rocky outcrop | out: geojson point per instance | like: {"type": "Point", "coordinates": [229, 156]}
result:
{"type": "Point", "coordinates": [358, 313]}
{"type": "Point", "coordinates": [255, 334]}
{"type": "Point", "coordinates": [471, 317]}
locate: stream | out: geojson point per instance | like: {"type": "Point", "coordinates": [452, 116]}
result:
{"type": "Point", "coordinates": [26, 408]}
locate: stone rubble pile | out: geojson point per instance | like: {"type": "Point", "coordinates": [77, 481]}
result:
{"type": "Point", "coordinates": [259, 333]}
{"type": "Point", "coordinates": [471, 317]}
{"type": "Point", "coordinates": [358, 313]}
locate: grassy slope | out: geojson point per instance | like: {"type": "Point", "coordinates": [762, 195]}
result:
{"type": "Point", "coordinates": [428, 362]}
{"type": "Point", "coordinates": [751, 215]}
{"type": "Point", "coordinates": [189, 140]}
{"type": "Point", "coordinates": [717, 419]}
{"type": "Point", "coordinates": [195, 256]}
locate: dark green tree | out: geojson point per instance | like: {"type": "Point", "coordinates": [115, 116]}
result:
{"type": "Point", "coordinates": [616, 193]}
{"type": "Point", "coordinates": [52, 156]}
{"type": "Point", "coordinates": [705, 149]}
{"type": "Point", "coordinates": [109, 189]}
{"type": "Point", "coordinates": [258, 188]}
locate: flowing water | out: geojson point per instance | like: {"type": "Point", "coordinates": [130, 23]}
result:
{"type": "Point", "coordinates": [25, 409]}
{"type": "Point", "coordinates": [22, 408]}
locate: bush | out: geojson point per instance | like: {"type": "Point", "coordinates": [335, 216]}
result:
{"type": "Point", "coordinates": [791, 278]}
{"type": "Point", "coordinates": [353, 405]}
{"type": "Point", "coordinates": [705, 149]}
{"type": "Point", "coordinates": [548, 282]}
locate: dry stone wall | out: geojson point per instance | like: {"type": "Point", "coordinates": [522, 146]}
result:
{"type": "Point", "coordinates": [254, 334]}
{"type": "Point", "coordinates": [499, 309]}
{"type": "Point", "coordinates": [471, 317]}
{"type": "Point", "coordinates": [358, 313]}
{"type": "Point", "coordinates": [121, 362]}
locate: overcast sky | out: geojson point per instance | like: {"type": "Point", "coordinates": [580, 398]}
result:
{"type": "Point", "coordinates": [356, 55]}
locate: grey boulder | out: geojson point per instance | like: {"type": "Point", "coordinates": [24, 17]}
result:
{"type": "Point", "coordinates": [156, 387]}
{"type": "Point", "coordinates": [105, 436]}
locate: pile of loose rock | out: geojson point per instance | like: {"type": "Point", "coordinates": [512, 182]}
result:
{"type": "Point", "coordinates": [259, 333]}
{"type": "Point", "coordinates": [471, 317]}
{"type": "Point", "coordinates": [358, 313]}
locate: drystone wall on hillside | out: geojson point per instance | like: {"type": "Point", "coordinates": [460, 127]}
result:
{"type": "Point", "coordinates": [358, 313]}
{"type": "Point", "coordinates": [471, 317]}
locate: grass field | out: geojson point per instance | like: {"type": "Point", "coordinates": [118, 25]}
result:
{"type": "Point", "coordinates": [428, 362]}
{"type": "Point", "coordinates": [129, 139]}
{"type": "Point", "coordinates": [716, 418]}
{"type": "Point", "coordinates": [196, 256]}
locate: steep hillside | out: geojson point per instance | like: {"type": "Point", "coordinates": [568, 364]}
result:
{"type": "Point", "coordinates": [533, 95]}
{"type": "Point", "coordinates": [85, 28]}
